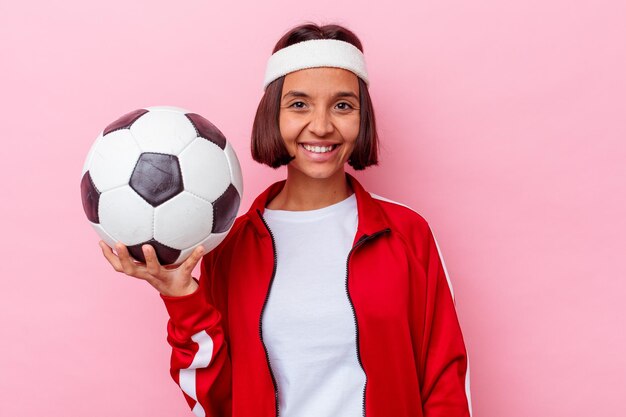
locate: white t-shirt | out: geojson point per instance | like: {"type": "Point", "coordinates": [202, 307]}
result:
{"type": "Point", "coordinates": [308, 325]}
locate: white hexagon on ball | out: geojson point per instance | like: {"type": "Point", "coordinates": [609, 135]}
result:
{"type": "Point", "coordinates": [108, 239]}
{"type": "Point", "coordinates": [163, 130]}
{"type": "Point", "coordinates": [113, 159]}
{"type": "Point", "coordinates": [126, 216]}
{"type": "Point", "coordinates": [183, 221]}
{"type": "Point", "coordinates": [208, 243]}
{"type": "Point", "coordinates": [205, 169]}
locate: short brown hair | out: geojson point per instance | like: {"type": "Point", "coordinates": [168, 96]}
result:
{"type": "Point", "coordinates": [267, 144]}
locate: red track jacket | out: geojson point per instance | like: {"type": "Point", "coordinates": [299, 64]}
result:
{"type": "Point", "coordinates": [409, 342]}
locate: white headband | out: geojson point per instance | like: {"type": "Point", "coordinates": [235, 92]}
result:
{"type": "Point", "coordinates": [313, 54]}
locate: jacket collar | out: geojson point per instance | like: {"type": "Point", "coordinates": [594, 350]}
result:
{"type": "Point", "coordinates": [371, 219]}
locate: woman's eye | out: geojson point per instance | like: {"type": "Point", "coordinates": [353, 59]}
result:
{"type": "Point", "coordinates": [298, 105]}
{"type": "Point", "coordinates": [344, 106]}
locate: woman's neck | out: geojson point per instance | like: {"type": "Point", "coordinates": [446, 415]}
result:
{"type": "Point", "coordinates": [302, 192]}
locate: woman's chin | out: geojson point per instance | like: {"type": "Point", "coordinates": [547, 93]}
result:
{"type": "Point", "coordinates": [317, 172]}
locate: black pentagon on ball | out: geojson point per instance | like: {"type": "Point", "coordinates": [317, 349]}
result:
{"type": "Point", "coordinates": [91, 197]}
{"type": "Point", "coordinates": [165, 254]}
{"type": "Point", "coordinates": [207, 130]}
{"type": "Point", "coordinates": [225, 209]}
{"type": "Point", "coordinates": [124, 122]}
{"type": "Point", "coordinates": [157, 177]}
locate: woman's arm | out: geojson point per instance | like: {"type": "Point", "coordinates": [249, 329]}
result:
{"type": "Point", "coordinates": [445, 388]}
{"type": "Point", "coordinates": [200, 362]}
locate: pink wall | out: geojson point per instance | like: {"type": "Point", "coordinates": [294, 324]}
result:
{"type": "Point", "coordinates": [502, 124]}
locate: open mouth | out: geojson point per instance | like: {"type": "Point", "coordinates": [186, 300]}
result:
{"type": "Point", "coordinates": [319, 149]}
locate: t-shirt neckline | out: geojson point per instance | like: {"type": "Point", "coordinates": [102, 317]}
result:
{"type": "Point", "coordinates": [346, 204]}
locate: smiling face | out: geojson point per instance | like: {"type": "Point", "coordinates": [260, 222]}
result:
{"type": "Point", "coordinates": [319, 120]}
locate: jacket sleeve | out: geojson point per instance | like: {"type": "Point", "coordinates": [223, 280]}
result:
{"type": "Point", "coordinates": [200, 362]}
{"type": "Point", "coordinates": [445, 388]}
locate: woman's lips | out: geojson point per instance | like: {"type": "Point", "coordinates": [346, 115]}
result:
{"type": "Point", "coordinates": [319, 153]}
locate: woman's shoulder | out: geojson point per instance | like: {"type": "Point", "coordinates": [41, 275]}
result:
{"type": "Point", "coordinates": [401, 216]}
{"type": "Point", "coordinates": [398, 209]}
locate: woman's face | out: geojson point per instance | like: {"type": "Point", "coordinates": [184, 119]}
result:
{"type": "Point", "coordinates": [319, 119]}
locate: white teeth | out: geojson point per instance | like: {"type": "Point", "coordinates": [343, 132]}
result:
{"type": "Point", "coordinates": [317, 149]}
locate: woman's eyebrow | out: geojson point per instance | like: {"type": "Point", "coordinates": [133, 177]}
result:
{"type": "Point", "coordinates": [292, 93]}
{"type": "Point", "coordinates": [346, 94]}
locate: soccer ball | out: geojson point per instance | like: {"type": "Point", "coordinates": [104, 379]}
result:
{"type": "Point", "coordinates": [162, 176]}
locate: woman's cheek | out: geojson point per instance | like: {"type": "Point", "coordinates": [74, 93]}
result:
{"type": "Point", "coordinates": [284, 130]}
{"type": "Point", "coordinates": [351, 129]}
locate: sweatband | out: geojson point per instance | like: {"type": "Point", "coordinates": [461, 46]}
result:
{"type": "Point", "coordinates": [315, 53]}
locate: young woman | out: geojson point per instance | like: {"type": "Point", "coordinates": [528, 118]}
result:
{"type": "Point", "coordinates": [324, 300]}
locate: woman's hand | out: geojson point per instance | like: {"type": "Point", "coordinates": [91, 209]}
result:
{"type": "Point", "coordinates": [173, 281]}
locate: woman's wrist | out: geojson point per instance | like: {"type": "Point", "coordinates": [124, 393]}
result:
{"type": "Point", "coordinates": [181, 292]}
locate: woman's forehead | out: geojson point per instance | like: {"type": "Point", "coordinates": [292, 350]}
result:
{"type": "Point", "coordinates": [321, 80]}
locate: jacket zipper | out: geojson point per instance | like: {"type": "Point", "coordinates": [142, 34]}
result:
{"type": "Point", "coordinates": [360, 242]}
{"type": "Point", "coordinates": [267, 296]}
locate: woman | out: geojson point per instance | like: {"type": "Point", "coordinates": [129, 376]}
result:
{"type": "Point", "coordinates": [323, 300]}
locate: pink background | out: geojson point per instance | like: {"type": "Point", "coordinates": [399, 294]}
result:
{"type": "Point", "coordinates": [503, 124]}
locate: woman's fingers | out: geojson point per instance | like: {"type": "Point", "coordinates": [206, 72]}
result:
{"type": "Point", "coordinates": [157, 275]}
{"type": "Point", "coordinates": [122, 262]}
{"type": "Point", "coordinates": [128, 266]}
{"type": "Point", "coordinates": [193, 259]}
{"type": "Point", "coordinates": [152, 262]}
{"type": "Point", "coordinates": [111, 257]}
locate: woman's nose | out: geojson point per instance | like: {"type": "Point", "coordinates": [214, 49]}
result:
{"type": "Point", "coordinates": [321, 123]}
